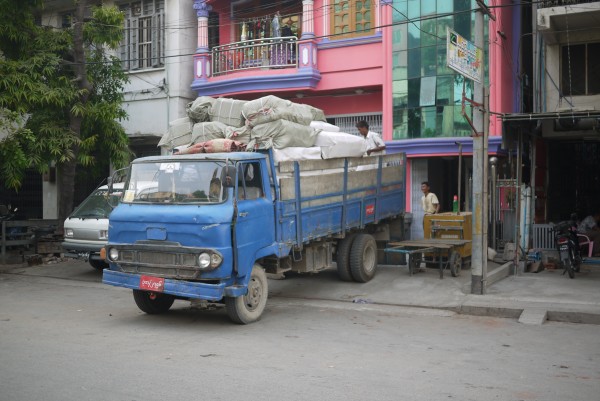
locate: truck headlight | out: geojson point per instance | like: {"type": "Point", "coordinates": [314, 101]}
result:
{"type": "Point", "coordinates": [215, 260]}
{"type": "Point", "coordinates": [103, 234]}
{"type": "Point", "coordinates": [113, 254]}
{"type": "Point", "coordinates": [204, 260]}
{"type": "Point", "coordinates": [69, 232]}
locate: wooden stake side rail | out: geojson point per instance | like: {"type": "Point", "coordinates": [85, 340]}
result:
{"type": "Point", "coordinates": [415, 249]}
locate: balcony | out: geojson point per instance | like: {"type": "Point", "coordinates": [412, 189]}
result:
{"type": "Point", "coordinates": [263, 54]}
{"type": "Point", "coordinates": [568, 20]}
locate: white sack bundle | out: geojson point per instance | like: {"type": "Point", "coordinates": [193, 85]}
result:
{"type": "Point", "coordinates": [228, 112]}
{"type": "Point", "coordinates": [340, 144]}
{"type": "Point", "coordinates": [296, 154]}
{"type": "Point", "coordinates": [179, 133]}
{"type": "Point", "coordinates": [199, 110]}
{"type": "Point", "coordinates": [322, 125]}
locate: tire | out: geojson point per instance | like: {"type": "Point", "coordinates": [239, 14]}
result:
{"type": "Point", "coordinates": [249, 308]}
{"type": "Point", "coordinates": [342, 258]}
{"type": "Point", "coordinates": [414, 263]}
{"type": "Point", "coordinates": [455, 264]}
{"type": "Point", "coordinates": [153, 303]}
{"type": "Point", "coordinates": [569, 268]}
{"type": "Point", "coordinates": [363, 258]}
{"type": "Point", "coordinates": [98, 264]}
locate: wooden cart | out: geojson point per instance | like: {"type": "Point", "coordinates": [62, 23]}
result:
{"type": "Point", "coordinates": [447, 253]}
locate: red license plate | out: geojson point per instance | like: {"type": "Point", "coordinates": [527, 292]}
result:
{"type": "Point", "coordinates": [150, 283]}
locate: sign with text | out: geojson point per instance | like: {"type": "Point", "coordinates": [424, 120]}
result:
{"type": "Point", "coordinates": [464, 57]}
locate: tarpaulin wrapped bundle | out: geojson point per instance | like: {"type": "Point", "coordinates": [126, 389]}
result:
{"type": "Point", "coordinates": [271, 108]}
{"type": "Point", "coordinates": [179, 133]}
{"type": "Point", "coordinates": [228, 112]}
{"type": "Point", "coordinates": [282, 134]}
{"type": "Point", "coordinates": [199, 110]}
{"type": "Point", "coordinates": [317, 114]}
{"type": "Point", "coordinates": [206, 131]}
{"type": "Point", "coordinates": [218, 145]}
{"type": "Point", "coordinates": [340, 144]}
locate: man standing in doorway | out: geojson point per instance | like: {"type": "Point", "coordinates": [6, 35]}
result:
{"type": "Point", "coordinates": [430, 202]}
{"type": "Point", "coordinates": [375, 145]}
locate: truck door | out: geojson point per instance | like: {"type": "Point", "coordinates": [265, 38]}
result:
{"type": "Point", "coordinates": [255, 225]}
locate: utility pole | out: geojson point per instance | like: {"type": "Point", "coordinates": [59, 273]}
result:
{"type": "Point", "coordinates": [480, 179]}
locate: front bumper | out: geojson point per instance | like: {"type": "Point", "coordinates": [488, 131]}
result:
{"type": "Point", "coordinates": [82, 251]}
{"type": "Point", "coordinates": [179, 288]}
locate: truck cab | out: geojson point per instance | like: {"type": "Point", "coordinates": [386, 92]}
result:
{"type": "Point", "coordinates": [196, 221]}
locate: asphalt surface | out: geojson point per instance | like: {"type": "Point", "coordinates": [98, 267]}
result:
{"type": "Point", "coordinates": [548, 295]}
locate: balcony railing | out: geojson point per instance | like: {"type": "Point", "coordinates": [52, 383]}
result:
{"type": "Point", "coordinates": [556, 3]}
{"type": "Point", "coordinates": [255, 54]}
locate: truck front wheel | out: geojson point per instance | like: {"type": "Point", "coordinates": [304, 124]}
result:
{"type": "Point", "coordinates": [153, 303]}
{"type": "Point", "coordinates": [363, 258]}
{"type": "Point", "coordinates": [249, 308]}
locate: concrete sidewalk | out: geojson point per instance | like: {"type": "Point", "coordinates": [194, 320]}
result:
{"type": "Point", "coordinates": [530, 297]}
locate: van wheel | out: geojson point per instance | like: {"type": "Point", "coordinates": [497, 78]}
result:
{"type": "Point", "coordinates": [153, 303]}
{"type": "Point", "coordinates": [249, 308]}
{"type": "Point", "coordinates": [363, 258]}
{"type": "Point", "coordinates": [342, 258]}
{"type": "Point", "coordinates": [98, 264]}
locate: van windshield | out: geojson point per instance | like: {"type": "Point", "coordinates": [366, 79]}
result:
{"type": "Point", "coordinates": [95, 206]}
{"type": "Point", "coordinates": [175, 182]}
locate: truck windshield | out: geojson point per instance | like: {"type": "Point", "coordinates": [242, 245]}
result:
{"type": "Point", "coordinates": [175, 182]}
{"type": "Point", "coordinates": [95, 206]}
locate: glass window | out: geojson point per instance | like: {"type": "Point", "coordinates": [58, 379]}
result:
{"type": "Point", "coordinates": [400, 122]}
{"type": "Point", "coordinates": [458, 88]}
{"type": "Point", "coordinates": [461, 126]}
{"type": "Point", "coordinates": [428, 31]}
{"type": "Point", "coordinates": [414, 63]}
{"type": "Point", "coordinates": [400, 40]}
{"type": "Point", "coordinates": [444, 6]}
{"type": "Point", "coordinates": [143, 44]}
{"type": "Point", "coordinates": [444, 89]}
{"type": "Point", "coordinates": [442, 68]}
{"type": "Point", "coordinates": [414, 92]}
{"type": "Point", "coordinates": [95, 206]}
{"type": "Point", "coordinates": [400, 65]}
{"type": "Point", "coordinates": [414, 123]}
{"type": "Point", "coordinates": [413, 9]}
{"type": "Point", "coordinates": [428, 122]}
{"type": "Point", "coordinates": [445, 120]}
{"type": "Point", "coordinates": [414, 34]}
{"type": "Point", "coordinates": [462, 25]}
{"type": "Point", "coordinates": [442, 24]}
{"type": "Point", "coordinates": [427, 7]}
{"type": "Point", "coordinates": [427, 91]}
{"type": "Point", "coordinates": [400, 89]}
{"type": "Point", "coordinates": [399, 10]}
{"type": "Point", "coordinates": [175, 182]}
{"type": "Point", "coordinates": [352, 18]}
{"type": "Point", "coordinates": [428, 61]}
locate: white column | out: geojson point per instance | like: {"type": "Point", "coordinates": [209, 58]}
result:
{"type": "Point", "coordinates": [308, 19]}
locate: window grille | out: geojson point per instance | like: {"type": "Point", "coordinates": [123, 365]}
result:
{"type": "Point", "coordinates": [143, 45]}
{"type": "Point", "coordinates": [347, 124]}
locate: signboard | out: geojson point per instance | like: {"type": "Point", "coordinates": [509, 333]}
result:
{"type": "Point", "coordinates": [464, 57]}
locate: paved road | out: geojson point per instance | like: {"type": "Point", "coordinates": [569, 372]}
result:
{"type": "Point", "coordinates": [72, 338]}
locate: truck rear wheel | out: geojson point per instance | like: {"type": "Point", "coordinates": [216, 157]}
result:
{"type": "Point", "coordinates": [363, 258]}
{"type": "Point", "coordinates": [249, 308]}
{"type": "Point", "coordinates": [153, 303]}
{"type": "Point", "coordinates": [342, 258]}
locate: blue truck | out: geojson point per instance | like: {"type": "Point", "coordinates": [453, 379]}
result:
{"type": "Point", "coordinates": [212, 226]}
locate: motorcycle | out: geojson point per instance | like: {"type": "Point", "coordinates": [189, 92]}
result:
{"type": "Point", "coordinates": [567, 244]}
{"type": "Point", "coordinates": [8, 213]}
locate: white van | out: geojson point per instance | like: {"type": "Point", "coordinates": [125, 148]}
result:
{"type": "Point", "coordinates": [86, 229]}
